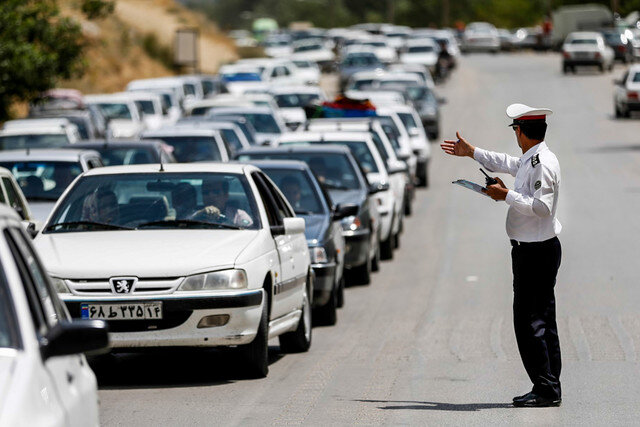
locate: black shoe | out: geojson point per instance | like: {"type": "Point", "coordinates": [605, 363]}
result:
{"type": "Point", "coordinates": [521, 397]}
{"type": "Point", "coordinates": [532, 400]}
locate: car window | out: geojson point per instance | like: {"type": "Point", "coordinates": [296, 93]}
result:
{"type": "Point", "coordinates": [112, 156]}
{"type": "Point", "coordinates": [164, 200]}
{"type": "Point", "coordinates": [9, 334]}
{"type": "Point", "coordinates": [15, 142]}
{"type": "Point", "coordinates": [584, 41]}
{"type": "Point", "coordinates": [291, 100]}
{"type": "Point", "coordinates": [146, 107]}
{"type": "Point", "coordinates": [281, 204]}
{"type": "Point", "coordinates": [359, 149]}
{"type": "Point", "coordinates": [231, 139]}
{"type": "Point", "coordinates": [636, 78]}
{"type": "Point", "coordinates": [13, 197]}
{"type": "Point", "coordinates": [273, 214]}
{"type": "Point", "coordinates": [188, 149]}
{"type": "Point", "coordinates": [43, 180]}
{"type": "Point", "coordinates": [297, 187]}
{"type": "Point", "coordinates": [115, 110]}
{"type": "Point", "coordinates": [2, 198]}
{"type": "Point", "coordinates": [407, 120]}
{"type": "Point", "coordinates": [377, 141]}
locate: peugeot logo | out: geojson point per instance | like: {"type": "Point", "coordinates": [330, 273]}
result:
{"type": "Point", "coordinates": [123, 285]}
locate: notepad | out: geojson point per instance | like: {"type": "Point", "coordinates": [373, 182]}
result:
{"type": "Point", "coordinates": [471, 186]}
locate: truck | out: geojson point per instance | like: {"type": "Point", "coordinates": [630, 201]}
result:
{"type": "Point", "coordinates": [582, 17]}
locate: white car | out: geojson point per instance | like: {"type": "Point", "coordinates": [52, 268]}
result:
{"type": "Point", "coordinates": [404, 151]}
{"type": "Point", "coordinates": [123, 114]}
{"type": "Point", "coordinates": [308, 71]}
{"type": "Point", "coordinates": [44, 377]}
{"type": "Point", "coordinates": [586, 49]}
{"type": "Point", "coordinates": [241, 77]}
{"type": "Point", "coordinates": [419, 140]}
{"type": "Point", "coordinates": [44, 174]}
{"type": "Point", "coordinates": [480, 37]}
{"type": "Point", "coordinates": [291, 101]}
{"type": "Point", "coordinates": [38, 133]}
{"type": "Point", "coordinates": [396, 35]}
{"type": "Point", "coordinates": [161, 84]}
{"type": "Point", "coordinates": [150, 109]}
{"type": "Point", "coordinates": [390, 198]}
{"type": "Point", "coordinates": [277, 47]}
{"type": "Point", "coordinates": [626, 95]}
{"type": "Point", "coordinates": [268, 124]}
{"type": "Point", "coordinates": [419, 70]}
{"type": "Point", "coordinates": [191, 255]}
{"type": "Point", "coordinates": [313, 50]}
{"type": "Point", "coordinates": [420, 51]}
{"type": "Point", "coordinates": [193, 143]}
{"type": "Point", "coordinates": [380, 46]}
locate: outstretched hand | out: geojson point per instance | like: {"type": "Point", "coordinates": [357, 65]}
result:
{"type": "Point", "coordinates": [460, 147]}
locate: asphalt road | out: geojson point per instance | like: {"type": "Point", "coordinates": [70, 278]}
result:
{"type": "Point", "coordinates": [430, 341]}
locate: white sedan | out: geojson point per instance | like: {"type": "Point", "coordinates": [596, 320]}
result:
{"type": "Point", "coordinates": [44, 378]}
{"type": "Point", "coordinates": [626, 95]}
{"type": "Point", "coordinates": [192, 255]}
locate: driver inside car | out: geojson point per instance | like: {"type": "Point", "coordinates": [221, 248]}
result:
{"type": "Point", "coordinates": [101, 207]}
{"type": "Point", "coordinates": [215, 197]}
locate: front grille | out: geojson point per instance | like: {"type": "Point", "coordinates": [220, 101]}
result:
{"type": "Point", "coordinates": [144, 286]}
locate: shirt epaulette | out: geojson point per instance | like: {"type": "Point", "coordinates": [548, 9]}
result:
{"type": "Point", "coordinates": [535, 160]}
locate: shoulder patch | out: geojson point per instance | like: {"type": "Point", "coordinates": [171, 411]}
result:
{"type": "Point", "coordinates": [535, 160]}
{"type": "Point", "coordinates": [537, 185]}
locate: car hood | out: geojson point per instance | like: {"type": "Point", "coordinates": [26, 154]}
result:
{"type": "Point", "coordinates": [141, 253]}
{"type": "Point", "coordinates": [293, 114]}
{"type": "Point", "coordinates": [122, 128]}
{"type": "Point", "coordinates": [7, 366]}
{"type": "Point", "coordinates": [315, 226]}
{"type": "Point", "coordinates": [348, 196]}
{"type": "Point", "coordinates": [419, 58]}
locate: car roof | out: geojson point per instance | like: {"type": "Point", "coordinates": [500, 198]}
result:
{"type": "Point", "coordinates": [118, 143]}
{"type": "Point", "coordinates": [37, 122]}
{"type": "Point", "coordinates": [232, 168]}
{"type": "Point", "coordinates": [324, 136]}
{"type": "Point", "coordinates": [180, 131]}
{"type": "Point", "coordinates": [280, 164]}
{"type": "Point", "coordinates": [329, 148]}
{"type": "Point", "coordinates": [33, 131]}
{"type": "Point", "coordinates": [584, 35]}
{"type": "Point", "coordinates": [108, 97]}
{"type": "Point", "coordinates": [241, 110]}
{"type": "Point", "coordinates": [45, 154]}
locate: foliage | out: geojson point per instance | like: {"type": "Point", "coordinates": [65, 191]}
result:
{"type": "Point", "coordinates": [157, 50]}
{"type": "Point", "coordinates": [95, 9]}
{"type": "Point", "coordinates": [37, 47]}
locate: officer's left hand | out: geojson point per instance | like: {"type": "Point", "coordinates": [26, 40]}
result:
{"type": "Point", "coordinates": [497, 191]}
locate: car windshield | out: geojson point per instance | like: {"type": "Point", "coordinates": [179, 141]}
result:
{"type": "Point", "coordinates": [13, 142]}
{"type": "Point", "coordinates": [297, 187]}
{"type": "Point", "coordinates": [114, 156]}
{"type": "Point", "coordinates": [81, 125]}
{"type": "Point", "coordinates": [163, 200]}
{"type": "Point", "coordinates": [115, 110]}
{"type": "Point", "coordinates": [188, 149]}
{"type": "Point", "coordinates": [303, 64]}
{"type": "Point", "coordinates": [43, 180]}
{"type": "Point", "coordinates": [420, 93]}
{"type": "Point", "coordinates": [146, 107]}
{"type": "Point", "coordinates": [359, 149]}
{"type": "Point", "coordinates": [584, 41]}
{"type": "Point", "coordinates": [232, 140]}
{"type": "Point", "coordinates": [262, 122]}
{"type": "Point", "coordinates": [8, 327]}
{"type": "Point", "coordinates": [361, 60]}
{"type": "Point", "coordinates": [374, 44]}
{"type": "Point", "coordinates": [241, 77]}
{"type": "Point", "coordinates": [407, 120]}
{"type": "Point", "coordinates": [291, 100]}
{"type": "Point", "coordinates": [420, 49]}
{"type": "Point", "coordinates": [307, 48]}
{"type": "Point", "coordinates": [636, 77]}
{"type": "Point", "coordinates": [333, 170]}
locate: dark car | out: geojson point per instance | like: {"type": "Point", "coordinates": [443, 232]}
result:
{"type": "Point", "coordinates": [129, 152]}
{"type": "Point", "coordinates": [311, 201]}
{"type": "Point", "coordinates": [339, 173]}
{"type": "Point", "coordinates": [355, 62]}
{"type": "Point", "coordinates": [621, 46]}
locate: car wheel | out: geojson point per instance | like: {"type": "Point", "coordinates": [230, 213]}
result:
{"type": "Point", "coordinates": [340, 296]}
{"type": "Point", "coordinates": [327, 315]}
{"type": "Point", "coordinates": [423, 179]}
{"type": "Point", "coordinates": [375, 262]}
{"type": "Point", "coordinates": [386, 248]}
{"type": "Point", "coordinates": [626, 113]}
{"type": "Point", "coordinates": [601, 68]}
{"type": "Point", "coordinates": [299, 340]}
{"type": "Point", "coordinates": [408, 208]}
{"type": "Point", "coordinates": [362, 273]}
{"type": "Point", "coordinates": [256, 353]}
{"type": "Point", "coordinates": [565, 69]}
{"type": "Point", "coordinates": [396, 240]}
{"type": "Point", "coordinates": [617, 111]}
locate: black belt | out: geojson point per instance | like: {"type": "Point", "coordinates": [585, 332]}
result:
{"type": "Point", "coordinates": [517, 243]}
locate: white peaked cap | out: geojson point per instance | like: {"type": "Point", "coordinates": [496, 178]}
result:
{"type": "Point", "coordinates": [524, 112]}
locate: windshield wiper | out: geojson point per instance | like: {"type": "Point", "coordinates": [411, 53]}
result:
{"type": "Point", "coordinates": [171, 222]}
{"type": "Point", "coordinates": [335, 186]}
{"type": "Point", "coordinates": [93, 223]}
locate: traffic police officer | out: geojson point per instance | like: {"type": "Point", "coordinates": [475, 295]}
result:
{"type": "Point", "coordinates": [532, 227]}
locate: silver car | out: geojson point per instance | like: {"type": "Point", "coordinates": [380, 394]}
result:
{"type": "Point", "coordinates": [586, 49]}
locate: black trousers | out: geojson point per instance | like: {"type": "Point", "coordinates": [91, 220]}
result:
{"type": "Point", "coordinates": [535, 266]}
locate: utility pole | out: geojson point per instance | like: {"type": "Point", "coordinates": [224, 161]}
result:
{"type": "Point", "coordinates": [390, 11]}
{"type": "Point", "coordinates": [445, 13]}
{"type": "Point", "coordinates": [614, 6]}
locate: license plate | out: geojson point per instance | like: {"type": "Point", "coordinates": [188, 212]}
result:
{"type": "Point", "coordinates": [583, 54]}
{"type": "Point", "coordinates": [137, 311]}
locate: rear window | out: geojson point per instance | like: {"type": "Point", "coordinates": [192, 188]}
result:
{"type": "Point", "coordinates": [126, 156]}
{"type": "Point", "coordinates": [298, 189]}
{"type": "Point", "coordinates": [636, 77]}
{"type": "Point", "coordinates": [14, 142]}
{"type": "Point", "coordinates": [420, 49]}
{"type": "Point", "coordinates": [584, 41]}
{"type": "Point", "coordinates": [188, 149]}
{"type": "Point", "coordinates": [359, 149]}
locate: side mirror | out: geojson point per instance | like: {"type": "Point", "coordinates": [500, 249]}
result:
{"type": "Point", "coordinates": [414, 132]}
{"type": "Point", "coordinates": [78, 336]}
{"type": "Point", "coordinates": [397, 167]}
{"type": "Point", "coordinates": [441, 101]}
{"type": "Point", "coordinates": [293, 225]}
{"type": "Point", "coordinates": [378, 187]}
{"type": "Point", "coordinates": [344, 210]}
{"type": "Point", "coordinates": [30, 227]}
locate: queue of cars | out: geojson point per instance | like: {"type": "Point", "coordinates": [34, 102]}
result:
{"type": "Point", "coordinates": [225, 210]}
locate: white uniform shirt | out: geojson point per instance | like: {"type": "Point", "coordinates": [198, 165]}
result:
{"type": "Point", "coordinates": [534, 200]}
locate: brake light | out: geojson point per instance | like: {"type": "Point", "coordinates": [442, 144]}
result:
{"type": "Point", "coordinates": [621, 48]}
{"type": "Point", "coordinates": [632, 95]}
{"type": "Point", "coordinates": [597, 55]}
{"type": "Point", "coordinates": [566, 55]}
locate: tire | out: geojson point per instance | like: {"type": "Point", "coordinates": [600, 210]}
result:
{"type": "Point", "coordinates": [340, 296]}
{"type": "Point", "coordinates": [617, 111]}
{"type": "Point", "coordinates": [386, 248]}
{"type": "Point", "coordinates": [396, 241]}
{"type": "Point", "coordinates": [362, 273]}
{"type": "Point", "coordinates": [408, 208]}
{"type": "Point", "coordinates": [375, 262]}
{"type": "Point", "coordinates": [256, 353]}
{"type": "Point", "coordinates": [565, 69]}
{"type": "Point", "coordinates": [327, 315]}
{"type": "Point", "coordinates": [299, 341]}
{"type": "Point", "coordinates": [601, 68]}
{"type": "Point", "coordinates": [423, 181]}
{"type": "Point", "coordinates": [626, 113]}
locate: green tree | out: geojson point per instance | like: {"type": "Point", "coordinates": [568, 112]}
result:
{"type": "Point", "coordinates": [38, 46]}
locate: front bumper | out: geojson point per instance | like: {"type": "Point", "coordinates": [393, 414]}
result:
{"type": "Point", "coordinates": [324, 282]}
{"type": "Point", "coordinates": [357, 247]}
{"type": "Point", "coordinates": [431, 124]}
{"type": "Point", "coordinates": [632, 106]}
{"type": "Point", "coordinates": [180, 317]}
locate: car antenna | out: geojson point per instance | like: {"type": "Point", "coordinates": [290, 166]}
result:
{"type": "Point", "coordinates": [161, 165]}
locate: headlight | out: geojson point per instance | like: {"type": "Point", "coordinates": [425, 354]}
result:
{"type": "Point", "coordinates": [318, 255]}
{"type": "Point", "coordinates": [60, 286]}
{"type": "Point", "coordinates": [351, 223]}
{"type": "Point", "coordinates": [218, 280]}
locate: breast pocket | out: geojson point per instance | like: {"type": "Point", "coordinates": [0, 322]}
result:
{"type": "Point", "coordinates": [520, 182]}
